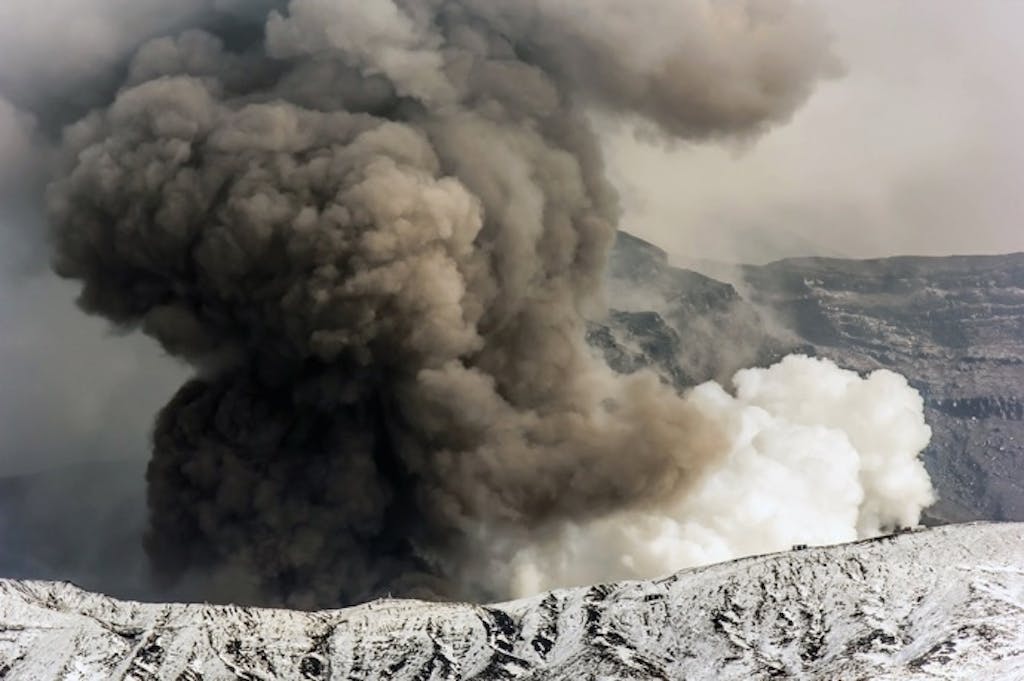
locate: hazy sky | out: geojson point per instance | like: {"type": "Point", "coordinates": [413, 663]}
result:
{"type": "Point", "coordinates": [915, 150]}
{"type": "Point", "coordinates": [918, 149]}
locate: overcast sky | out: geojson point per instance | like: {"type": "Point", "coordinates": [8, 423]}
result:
{"type": "Point", "coordinates": [918, 149]}
{"type": "Point", "coordinates": [915, 150]}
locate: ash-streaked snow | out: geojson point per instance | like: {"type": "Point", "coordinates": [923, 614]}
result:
{"type": "Point", "coordinates": [946, 603]}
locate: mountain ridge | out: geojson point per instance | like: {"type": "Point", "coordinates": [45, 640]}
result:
{"type": "Point", "coordinates": [940, 603]}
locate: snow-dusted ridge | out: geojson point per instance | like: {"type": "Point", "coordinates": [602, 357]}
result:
{"type": "Point", "coordinates": [945, 603]}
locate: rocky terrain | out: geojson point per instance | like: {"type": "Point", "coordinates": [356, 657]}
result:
{"type": "Point", "coordinates": [944, 603]}
{"type": "Point", "coordinates": [954, 326]}
{"type": "Point", "coordinates": [689, 327]}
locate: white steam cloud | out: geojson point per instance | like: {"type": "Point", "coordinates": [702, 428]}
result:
{"type": "Point", "coordinates": [815, 455]}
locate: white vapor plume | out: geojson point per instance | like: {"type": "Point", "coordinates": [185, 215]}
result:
{"type": "Point", "coordinates": [815, 455]}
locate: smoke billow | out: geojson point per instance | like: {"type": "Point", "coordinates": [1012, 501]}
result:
{"type": "Point", "coordinates": [375, 229]}
{"type": "Point", "coordinates": [815, 455]}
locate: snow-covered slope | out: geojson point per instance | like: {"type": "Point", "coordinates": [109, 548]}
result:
{"type": "Point", "coordinates": [946, 603]}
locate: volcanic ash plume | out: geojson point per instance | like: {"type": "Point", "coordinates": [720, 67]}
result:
{"type": "Point", "coordinates": [375, 229]}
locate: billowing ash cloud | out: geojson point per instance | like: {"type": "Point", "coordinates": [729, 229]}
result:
{"type": "Point", "coordinates": [375, 228]}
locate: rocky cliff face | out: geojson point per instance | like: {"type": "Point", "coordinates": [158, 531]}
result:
{"type": "Point", "coordinates": [938, 604]}
{"type": "Point", "coordinates": [688, 327]}
{"type": "Point", "coordinates": [954, 326]}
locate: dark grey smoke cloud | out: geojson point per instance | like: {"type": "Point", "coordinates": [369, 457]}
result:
{"type": "Point", "coordinates": [374, 229]}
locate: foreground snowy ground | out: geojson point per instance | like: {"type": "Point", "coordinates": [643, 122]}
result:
{"type": "Point", "coordinates": [946, 603]}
